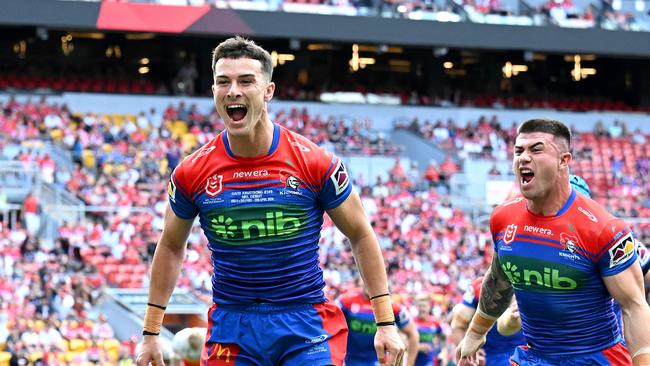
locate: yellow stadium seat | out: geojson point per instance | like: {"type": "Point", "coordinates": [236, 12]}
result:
{"type": "Point", "coordinates": [35, 356]}
{"type": "Point", "coordinates": [88, 158]}
{"type": "Point", "coordinates": [111, 345]}
{"type": "Point", "coordinates": [4, 358]}
{"type": "Point", "coordinates": [56, 135]}
{"type": "Point", "coordinates": [77, 345]}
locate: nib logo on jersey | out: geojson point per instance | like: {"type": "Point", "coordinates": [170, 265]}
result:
{"type": "Point", "coordinates": [256, 225]}
{"type": "Point", "coordinates": [539, 275]}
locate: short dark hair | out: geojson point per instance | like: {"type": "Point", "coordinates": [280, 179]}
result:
{"type": "Point", "coordinates": [240, 47]}
{"type": "Point", "coordinates": [556, 128]}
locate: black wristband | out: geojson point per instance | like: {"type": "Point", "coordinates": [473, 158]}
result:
{"type": "Point", "coordinates": [378, 296]}
{"type": "Point", "coordinates": [144, 333]}
{"type": "Point", "coordinates": [157, 306]}
{"type": "Point", "coordinates": [384, 324]}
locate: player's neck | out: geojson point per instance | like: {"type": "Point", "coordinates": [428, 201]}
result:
{"type": "Point", "coordinates": [256, 143]}
{"type": "Point", "coordinates": [551, 203]}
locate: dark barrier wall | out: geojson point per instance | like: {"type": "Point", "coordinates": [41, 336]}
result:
{"type": "Point", "coordinates": [207, 20]}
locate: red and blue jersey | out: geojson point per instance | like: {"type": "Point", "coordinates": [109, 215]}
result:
{"type": "Point", "coordinates": [430, 333]}
{"type": "Point", "coordinates": [262, 216]}
{"type": "Point", "coordinates": [556, 265]}
{"type": "Point", "coordinates": [495, 343]}
{"type": "Point", "coordinates": [362, 327]}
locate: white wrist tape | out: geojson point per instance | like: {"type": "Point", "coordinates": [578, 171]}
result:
{"type": "Point", "coordinates": [641, 351]}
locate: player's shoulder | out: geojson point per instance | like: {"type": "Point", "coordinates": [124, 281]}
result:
{"type": "Point", "coordinates": [305, 148]}
{"type": "Point", "coordinates": [595, 214]}
{"type": "Point", "coordinates": [317, 162]}
{"type": "Point", "coordinates": [600, 228]}
{"type": "Point", "coordinates": [505, 211]}
{"type": "Point", "coordinates": [201, 156]}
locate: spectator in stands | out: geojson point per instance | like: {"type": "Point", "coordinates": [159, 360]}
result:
{"type": "Point", "coordinates": [31, 213]}
{"type": "Point", "coordinates": [615, 130]}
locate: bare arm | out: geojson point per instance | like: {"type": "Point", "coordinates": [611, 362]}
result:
{"type": "Point", "coordinates": [168, 258]}
{"type": "Point", "coordinates": [412, 342]}
{"type": "Point", "coordinates": [496, 291]}
{"type": "Point", "coordinates": [627, 289]}
{"type": "Point", "coordinates": [165, 268]}
{"type": "Point", "coordinates": [510, 322]}
{"type": "Point", "coordinates": [350, 218]}
{"type": "Point", "coordinates": [462, 315]}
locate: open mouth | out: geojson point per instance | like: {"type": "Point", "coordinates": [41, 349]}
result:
{"type": "Point", "coordinates": [527, 176]}
{"type": "Point", "coordinates": [236, 112]}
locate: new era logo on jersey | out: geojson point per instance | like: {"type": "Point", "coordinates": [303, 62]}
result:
{"type": "Point", "coordinates": [622, 250]}
{"type": "Point", "coordinates": [509, 235]}
{"type": "Point", "coordinates": [340, 178]}
{"type": "Point", "coordinates": [213, 186]}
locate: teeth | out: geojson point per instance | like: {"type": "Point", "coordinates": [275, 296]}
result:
{"type": "Point", "coordinates": [524, 171]}
{"type": "Point", "coordinates": [236, 106]}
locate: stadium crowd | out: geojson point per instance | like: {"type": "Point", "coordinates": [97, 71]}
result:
{"type": "Point", "coordinates": [124, 161]}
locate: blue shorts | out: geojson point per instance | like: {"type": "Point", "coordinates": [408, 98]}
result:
{"type": "Point", "coordinates": [270, 334]}
{"type": "Point", "coordinates": [497, 359]}
{"type": "Point", "coordinates": [616, 355]}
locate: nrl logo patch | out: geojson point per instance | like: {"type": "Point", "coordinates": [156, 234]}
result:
{"type": "Point", "coordinates": [509, 235]}
{"type": "Point", "coordinates": [214, 185]}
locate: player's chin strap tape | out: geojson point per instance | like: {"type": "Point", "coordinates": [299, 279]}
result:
{"type": "Point", "coordinates": [382, 309]}
{"type": "Point", "coordinates": [153, 318]}
{"type": "Point", "coordinates": [641, 357]}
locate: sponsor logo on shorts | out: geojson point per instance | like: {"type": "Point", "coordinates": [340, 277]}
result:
{"type": "Point", "coordinates": [622, 250]}
{"type": "Point", "coordinates": [319, 339]}
{"type": "Point", "coordinates": [222, 354]}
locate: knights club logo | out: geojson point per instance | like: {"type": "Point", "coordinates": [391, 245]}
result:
{"type": "Point", "coordinates": [214, 185]}
{"type": "Point", "coordinates": [509, 235]}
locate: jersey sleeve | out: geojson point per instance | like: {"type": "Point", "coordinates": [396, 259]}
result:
{"type": "Point", "coordinates": [179, 198]}
{"type": "Point", "coordinates": [618, 248]}
{"type": "Point", "coordinates": [402, 317]}
{"type": "Point", "coordinates": [644, 256]}
{"type": "Point", "coordinates": [337, 186]}
{"type": "Point", "coordinates": [470, 297]}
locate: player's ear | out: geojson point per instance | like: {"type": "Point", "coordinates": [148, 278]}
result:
{"type": "Point", "coordinates": [565, 160]}
{"type": "Point", "coordinates": [268, 92]}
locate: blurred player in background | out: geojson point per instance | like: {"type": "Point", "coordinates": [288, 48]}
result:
{"type": "Point", "coordinates": [260, 192]}
{"type": "Point", "coordinates": [565, 257]}
{"type": "Point", "coordinates": [498, 347]}
{"type": "Point", "coordinates": [358, 312]}
{"type": "Point", "coordinates": [187, 345]}
{"type": "Point", "coordinates": [430, 331]}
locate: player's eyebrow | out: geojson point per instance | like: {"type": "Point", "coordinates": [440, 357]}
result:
{"type": "Point", "coordinates": [540, 143]}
